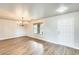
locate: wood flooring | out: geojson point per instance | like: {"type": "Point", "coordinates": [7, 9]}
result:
{"type": "Point", "coordinates": [23, 46]}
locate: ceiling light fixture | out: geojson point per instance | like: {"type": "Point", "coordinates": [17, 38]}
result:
{"type": "Point", "coordinates": [62, 9]}
{"type": "Point", "coordinates": [21, 22]}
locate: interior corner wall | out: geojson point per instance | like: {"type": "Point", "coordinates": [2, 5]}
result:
{"type": "Point", "coordinates": [10, 29]}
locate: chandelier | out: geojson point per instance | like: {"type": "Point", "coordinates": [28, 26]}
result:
{"type": "Point", "coordinates": [22, 22]}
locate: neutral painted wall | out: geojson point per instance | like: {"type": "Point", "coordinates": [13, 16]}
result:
{"type": "Point", "coordinates": [10, 29]}
{"type": "Point", "coordinates": [76, 30]}
{"type": "Point", "coordinates": [63, 29]}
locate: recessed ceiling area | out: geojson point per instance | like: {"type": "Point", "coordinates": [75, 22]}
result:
{"type": "Point", "coordinates": [33, 10]}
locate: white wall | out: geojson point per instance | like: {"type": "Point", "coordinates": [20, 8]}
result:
{"type": "Point", "coordinates": [10, 29]}
{"type": "Point", "coordinates": [63, 29]}
{"type": "Point", "coordinates": [76, 30]}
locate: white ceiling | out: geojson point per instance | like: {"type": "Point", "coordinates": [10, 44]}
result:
{"type": "Point", "coordinates": [33, 10]}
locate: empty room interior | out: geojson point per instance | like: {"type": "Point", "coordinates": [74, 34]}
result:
{"type": "Point", "coordinates": [39, 29]}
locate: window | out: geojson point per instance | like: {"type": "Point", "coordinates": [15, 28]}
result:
{"type": "Point", "coordinates": [36, 28]}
